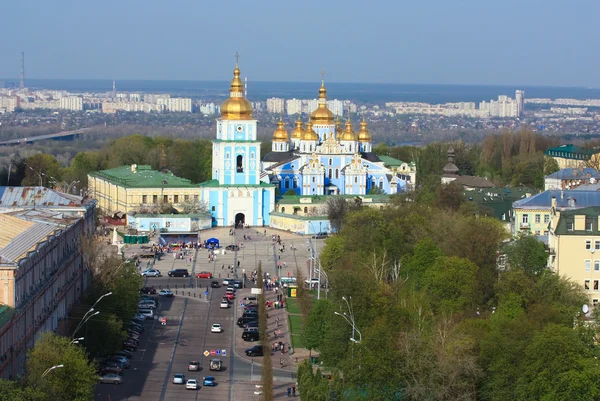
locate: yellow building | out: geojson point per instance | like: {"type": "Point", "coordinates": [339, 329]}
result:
{"type": "Point", "coordinates": [571, 156]}
{"type": "Point", "coordinates": [141, 189]}
{"type": "Point", "coordinates": [574, 244]}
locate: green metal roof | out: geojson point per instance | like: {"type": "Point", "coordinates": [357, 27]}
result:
{"type": "Point", "coordinates": [390, 161]}
{"type": "Point", "coordinates": [143, 177]}
{"type": "Point", "coordinates": [500, 201]}
{"type": "Point", "coordinates": [568, 216]}
{"type": "Point", "coordinates": [298, 217]}
{"type": "Point", "coordinates": [215, 184]}
{"type": "Point", "coordinates": [571, 151]}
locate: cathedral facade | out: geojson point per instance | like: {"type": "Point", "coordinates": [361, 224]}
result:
{"type": "Point", "coordinates": [321, 158]}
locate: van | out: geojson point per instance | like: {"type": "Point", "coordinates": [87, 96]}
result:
{"type": "Point", "coordinates": [149, 313]}
{"type": "Point", "coordinates": [250, 335]}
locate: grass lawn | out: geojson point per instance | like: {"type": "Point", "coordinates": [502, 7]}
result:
{"type": "Point", "coordinates": [295, 330]}
{"type": "Point", "coordinates": [292, 305]}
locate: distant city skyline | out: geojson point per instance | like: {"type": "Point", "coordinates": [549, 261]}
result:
{"type": "Point", "coordinates": [534, 43]}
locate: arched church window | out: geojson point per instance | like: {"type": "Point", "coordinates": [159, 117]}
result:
{"type": "Point", "coordinates": [330, 173]}
{"type": "Point", "coordinates": [227, 156]}
{"type": "Point", "coordinates": [287, 183]}
{"type": "Point", "coordinates": [282, 210]}
{"type": "Point", "coordinates": [380, 184]}
{"type": "Point", "coordinates": [213, 209]}
{"type": "Point", "coordinates": [313, 180]}
{"type": "Point", "coordinates": [305, 210]}
{"type": "Point", "coordinates": [295, 182]}
{"type": "Point", "coordinates": [240, 164]}
{"type": "Point", "coordinates": [330, 161]}
{"type": "Point", "coordinates": [252, 155]}
{"type": "Point", "coordinates": [337, 173]}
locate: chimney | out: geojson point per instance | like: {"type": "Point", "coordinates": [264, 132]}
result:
{"type": "Point", "coordinates": [554, 202]}
{"type": "Point", "coordinates": [134, 168]}
{"type": "Point", "coordinates": [562, 195]}
{"type": "Point", "coordinates": [527, 195]}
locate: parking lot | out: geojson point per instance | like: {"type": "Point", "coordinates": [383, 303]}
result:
{"type": "Point", "coordinates": [166, 350]}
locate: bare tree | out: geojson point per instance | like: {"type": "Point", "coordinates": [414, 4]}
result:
{"type": "Point", "coordinates": [336, 207]}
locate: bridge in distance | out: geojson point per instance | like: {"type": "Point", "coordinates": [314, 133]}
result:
{"type": "Point", "coordinates": [58, 135]}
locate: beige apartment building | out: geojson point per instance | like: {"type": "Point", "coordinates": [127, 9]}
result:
{"type": "Point", "coordinates": [574, 244]}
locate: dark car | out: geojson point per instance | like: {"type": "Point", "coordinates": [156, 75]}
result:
{"type": "Point", "coordinates": [238, 283]}
{"type": "Point", "coordinates": [250, 335]}
{"type": "Point", "coordinates": [253, 323]}
{"type": "Point", "coordinates": [248, 307]}
{"type": "Point", "coordinates": [114, 364]}
{"type": "Point", "coordinates": [178, 273]}
{"type": "Point", "coordinates": [148, 290]}
{"type": "Point", "coordinates": [245, 319]}
{"type": "Point", "coordinates": [130, 345]}
{"type": "Point", "coordinates": [110, 369]}
{"type": "Point", "coordinates": [320, 235]}
{"type": "Point", "coordinates": [257, 350]}
{"type": "Point", "coordinates": [251, 313]}
{"type": "Point", "coordinates": [124, 353]}
{"type": "Point", "coordinates": [215, 284]}
{"type": "Point", "coordinates": [250, 298]}
{"type": "Point", "coordinates": [232, 247]}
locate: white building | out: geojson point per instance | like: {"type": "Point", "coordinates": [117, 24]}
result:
{"type": "Point", "coordinates": [74, 103]}
{"type": "Point", "coordinates": [179, 104]}
{"type": "Point", "coordinates": [208, 109]}
{"type": "Point", "coordinates": [293, 106]}
{"type": "Point", "coordinates": [336, 107]}
{"type": "Point", "coordinates": [9, 103]}
{"type": "Point", "coordinates": [503, 107]}
{"type": "Point", "coordinates": [275, 105]}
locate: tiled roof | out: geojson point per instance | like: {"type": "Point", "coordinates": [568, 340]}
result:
{"type": "Point", "coordinates": [36, 197]}
{"type": "Point", "coordinates": [143, 177]}
{"type": "Point", "coordinates": [579, 199]}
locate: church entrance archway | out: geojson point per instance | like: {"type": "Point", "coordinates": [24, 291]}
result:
{"type": "Point", "coordinates": [240, 220]}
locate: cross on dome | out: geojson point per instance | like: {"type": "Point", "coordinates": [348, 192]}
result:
{"type": "Point", "coordinates": [237, 58]}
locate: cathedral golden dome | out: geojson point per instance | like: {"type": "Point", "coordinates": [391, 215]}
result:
{"type": "Point", "coordinates": [309, 133]}
{"type": "Point", "coordinates": [236, 107]}
{"type": "Point", "coordinates": [348, 134]}
{"type": "Point", "coordinates": [363, 134]}
{"type": "Point", "coordinates": [280, 134]}
{"type": "Point", "coordinates": [322, 115]}
{"type": "Point", "coordinates": [298, 131]}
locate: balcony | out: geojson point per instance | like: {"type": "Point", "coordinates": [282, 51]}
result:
{"type": "Point", "coordinates": [523, 225]}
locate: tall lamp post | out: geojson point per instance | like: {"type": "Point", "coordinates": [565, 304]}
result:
{"type": "Point", "coordinates": [87, 315]}
{"type": "Point", "coordinates": [51, 369]}
{"type": "Point", "coordinates": [76, 340]}
{"type": "Point", "coordinates": [320, 271]}
{"type": "Point", "coordinates": [39, 174]}
{"type": "Point", "coordinates": [349, 317]}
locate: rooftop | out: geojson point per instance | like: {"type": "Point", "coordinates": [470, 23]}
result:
{"type": "Point", "coordinates": [570, 151]}
{"type": "Point", "coordinates": [569, 199]}
{"type": "Point", "coordinates": [215, 184]}
{"type": "Point", "coordinates": [391, 162]}
{"type": "Point", "coordinates": [568, 216]}
{"type": "Point", "coordinates": [575, 174]}
{"type": "Point", "coordinates": [499, 200]}
{"type": "Point", "coordinates": [36, 197]}
{"type": "Point", "coordinates": [142, 176]}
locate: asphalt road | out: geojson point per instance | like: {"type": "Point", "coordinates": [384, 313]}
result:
{"type": "Point", "coordinates": [166, 350]}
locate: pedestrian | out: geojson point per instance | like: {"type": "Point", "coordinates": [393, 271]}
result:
{"type": "Point", "coordinates": [223, 266]}
{"type": "Point", "coordinates": [281, 362]}
{"type": "Point", "coordinates": [294, 391]}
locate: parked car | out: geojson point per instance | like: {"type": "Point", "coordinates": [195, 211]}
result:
{"type": "Point", "coordinates": [113, 364]}
{"type": "Point", "coordinates": [250, 298]}
{"type": "Point", "coordinates": [250, 335]}
{"type": "Point", "coordinates": [191, 384]}
{"type": "Point", "coordinates": [232, 247]}
{"type": "Point", "coordinates": [124, 353]}
{"type": "Point", "coordinates": [238, 283]}
{"type": "Point", "coordinates": [130, 345]}
{"type": "Point", "coordinates": [165, 293]}
{"type": "Point", "coordinates": [215, 364]}
{"type": "Point", "coordinates": [193, 366]}
{"type": "Point", "coordinates": [148, 290]}
{"type": "Point", "coordinates": [151, 273]}
{"type": "Point", "coordinates": [216, 328]}
{"type": "Point", "coordinates": [148, 313]}
{"type": "Point", "coordinates": [139, 317]}
{"type": "Point", "coordinates": [178, 378]}
{"type": "Point", "coordinates": [320, 235]}
{"type": "Point", "coordinates": [230, 295]}
{"type": "Point", "coordinates": [257, 350]}
{"type": "Point", "coordinates": [110, 378]}
{"type": "Point", "coordinates": [204, 275]}
{"type": "Point", "coordinates": [178, 273]}
{"type": "Point", "coordinates": [124, 362]}
{"type": "Point", "coordinates": [215, 284]}
{"type": "Point", "coordinates": [253, 323]}
{"type": "Point", "coordinates": [245, 319]}
{"type": "Point", "coordinates": [111, 369]}
{"type": "Point", "coordinates": [224, 304]}
{"type": "Point", "coordinates": [230, 289]}
{"type": "Point", "coordinates": [146, 305]}
{"type": "Point", "coordinates": [209, 381]}
{"type": "Point", "coordinates": [226, 281]}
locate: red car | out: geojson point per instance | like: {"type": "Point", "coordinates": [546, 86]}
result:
{"type": "Point", "coordinates": [230, 295]}
{"type": "Point", "coordinates": [204, 275]}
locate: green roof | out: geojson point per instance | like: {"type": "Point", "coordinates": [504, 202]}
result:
{"type": "Point", "coordinates": [501, 199]}
{"type": "Point", "coordinates": [316, 199]}
{"type": "Point", "coordinates": [390, 161]}
{"type": "Point", "coordinates": [298, 217]}
{"type": "Point", "coordinates": [571, 151]}
{"type": "Point", "coordinates": [143, 177]}
{"type": "Point", "coordinates": [568, 216]}
{"type": "Point", "coordinates": [215, 184]}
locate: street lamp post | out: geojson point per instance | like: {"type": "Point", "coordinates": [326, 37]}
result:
{"type": "Point", "coordinates": [76, 340]}
{"type": "Point", "coordinates": [87, 315]}
{"type": "Point", "coordinates": [39, 174]}
{"type": "Point", "coordinates": [51, 369]}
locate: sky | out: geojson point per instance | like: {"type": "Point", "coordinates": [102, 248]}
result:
{"type": "Point", "coordinates": [481, 42]}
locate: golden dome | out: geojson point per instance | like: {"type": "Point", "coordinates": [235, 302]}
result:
{"type": "Point", "coordinates": [236, 107]}
{"type": "Point", "coordinates": [298, 131]}
{"type": "Point", "coordinates": [363, 134]}
{"type": "Point", "coordinates": [322, 115]}
{"type": "Point", "coordinates": [309, 133]}
{"type": "Point", "coordinates": [348, 134]}
{"type": "Point", "coordinates": [280, 134]}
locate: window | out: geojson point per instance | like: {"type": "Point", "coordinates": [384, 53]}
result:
{"type": "Point", "coordinates": [525, 218]}
{"type": "Point", "coordinates": [380, 184]}
{"type": "Point", "coordinates": [227, 155]}
{"type": "Point", "coordinates": [330, 162]}
{"type": "Point", "coordinates": [546, 218]}
{"type": "Point", "coordinates": [295, 182]}
{"type": "Point", "coordinates": [240, 164]}
{"type": "Point", "coordinates": [538, 218]}
{"type": "Point", "coordinates": [154, 198]}
{"type": "Point", "coordinates": [252, 155]}
{"type": "Point", "coordinates": [313, 180]}
{"type": "Point", "coordinates": [196, 198]}
{"type": "Point", "coordinates": [596, 285]}
{"type": "Point", "coordinates": [597, 245]}
{"type": "Point", "coordinates": [305, 210]}
{"type": "Point", "coordinates": [355, 180]}
{"type": "Point", "coordinates": [537, 232]}
{"type": "Point", "coordinates": [586, 285]}
{"type": "Point", "coordinates": [588, 226]}
{"type": "Point", "coordinates": [595, 302]}
{"type": "Point", "coordinates": [282, 210]}
{"type": "Point", "coordinates": [144, 199]}
{"type": "Point", "coordinates": [597, 265]}
{"type": "Point", "coordinates": [588, 264]}
{"type": "Point", "coordinates": [330, 173]}
{"type": "Point", "coordinates": [287, 183]}
{"type": "Point", "coordinates": [213, 208]}
{"type": "Point", "coordinates": [175, 198]}
{"type": "Point", "coordinates": [569, 226]}
{"type": "Point", "coordinates": [165, 198]}
{"type": "Point", "coordinates": [588, 244]}
{"type": "Point", "coordinates": [186, 198]}
{"type": "Point", "coordinates": [337, 173]}
{"type": "Point", "coordinates": [546, 233]}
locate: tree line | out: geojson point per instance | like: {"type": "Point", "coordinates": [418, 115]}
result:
{"type": "Point", "coordinates": [435, 318]}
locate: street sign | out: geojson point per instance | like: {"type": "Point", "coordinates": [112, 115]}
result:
{"type": "Point", "coordinates": [206, 353]}
{"type": "Point", "coordinates": [218, 352]}
{"type": "Point", "coordinates": [224, 352]}
{"type": "Point", "coordinates": [212, 352]}
{"type": "Point", "coordinates": [206, 293]}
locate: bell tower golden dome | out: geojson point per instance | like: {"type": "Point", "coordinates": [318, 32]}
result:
{"type": "Point", "coordinates": [348, 134]}
{"type": "Point", "coordinates": [364, 135]}
{"type": "Point", "coordinates": [298, 131]}
{"type": "Point", "coordinates": [280, 134]}
{"type": "Point", "coordinates": [309, 133]}
{"type": "Point", "coordinates": [236, 107]}
{"type": "Point", "coordinates": [322, 115]}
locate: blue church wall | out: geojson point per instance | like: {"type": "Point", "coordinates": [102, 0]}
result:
{"type": "Point", "coordinates": [255, 198]}
{"type": "Point", "coordinates": [266, 196]}
{"type": "Point", "coordinates": [225, 205]}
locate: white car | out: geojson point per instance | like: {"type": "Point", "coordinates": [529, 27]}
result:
{"type": "Point", "coordinates": [147, 305]}
{"type": "Point", "coordinates": [191, 384]}
{"type": "Point", "coordinates": [230, 288]}
{"type": "Point", "coordinates": [224, 304]}
{"type": "Point", "coordinates": [165, 293]}
{"type": "Point", "coordinates": [151, 273]}
{"type": "Point", "coordinates": [178, 378]}
{"type": "Point", "coordinates": [216, 328]}
{"type": "Point", "coordinates": [226, 281]}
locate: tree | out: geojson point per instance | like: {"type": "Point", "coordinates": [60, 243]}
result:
{"type": "Point", "coordinates": [317, 324]}
{"type": "Point", "coordinates": [74, 381]}
{"type": "Point", "coordinates": [416, 266]}
{"type": "Point", "coordinates": [451, 284]}
{"type": "Point", "coordinates": [42, 169]}
{"type": "Point", "coordinates": [527, 253]}
{"type": "Point", "coordinates": [336, 207]}
{"type": "Point", "coordinates": [267, 364]}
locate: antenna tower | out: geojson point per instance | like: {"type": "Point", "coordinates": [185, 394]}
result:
{"type": "Point", "coordinates": [22, 83]}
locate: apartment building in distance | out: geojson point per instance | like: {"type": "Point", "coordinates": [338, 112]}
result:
{"type": "Point", "coordinates": [74, 103]}
{"type": "Point", "coordinates": [574, 247]}
{"type": "Point", "coordinates": [275, 105]}
{"type": "Point", "coordinates": [41, 267]}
